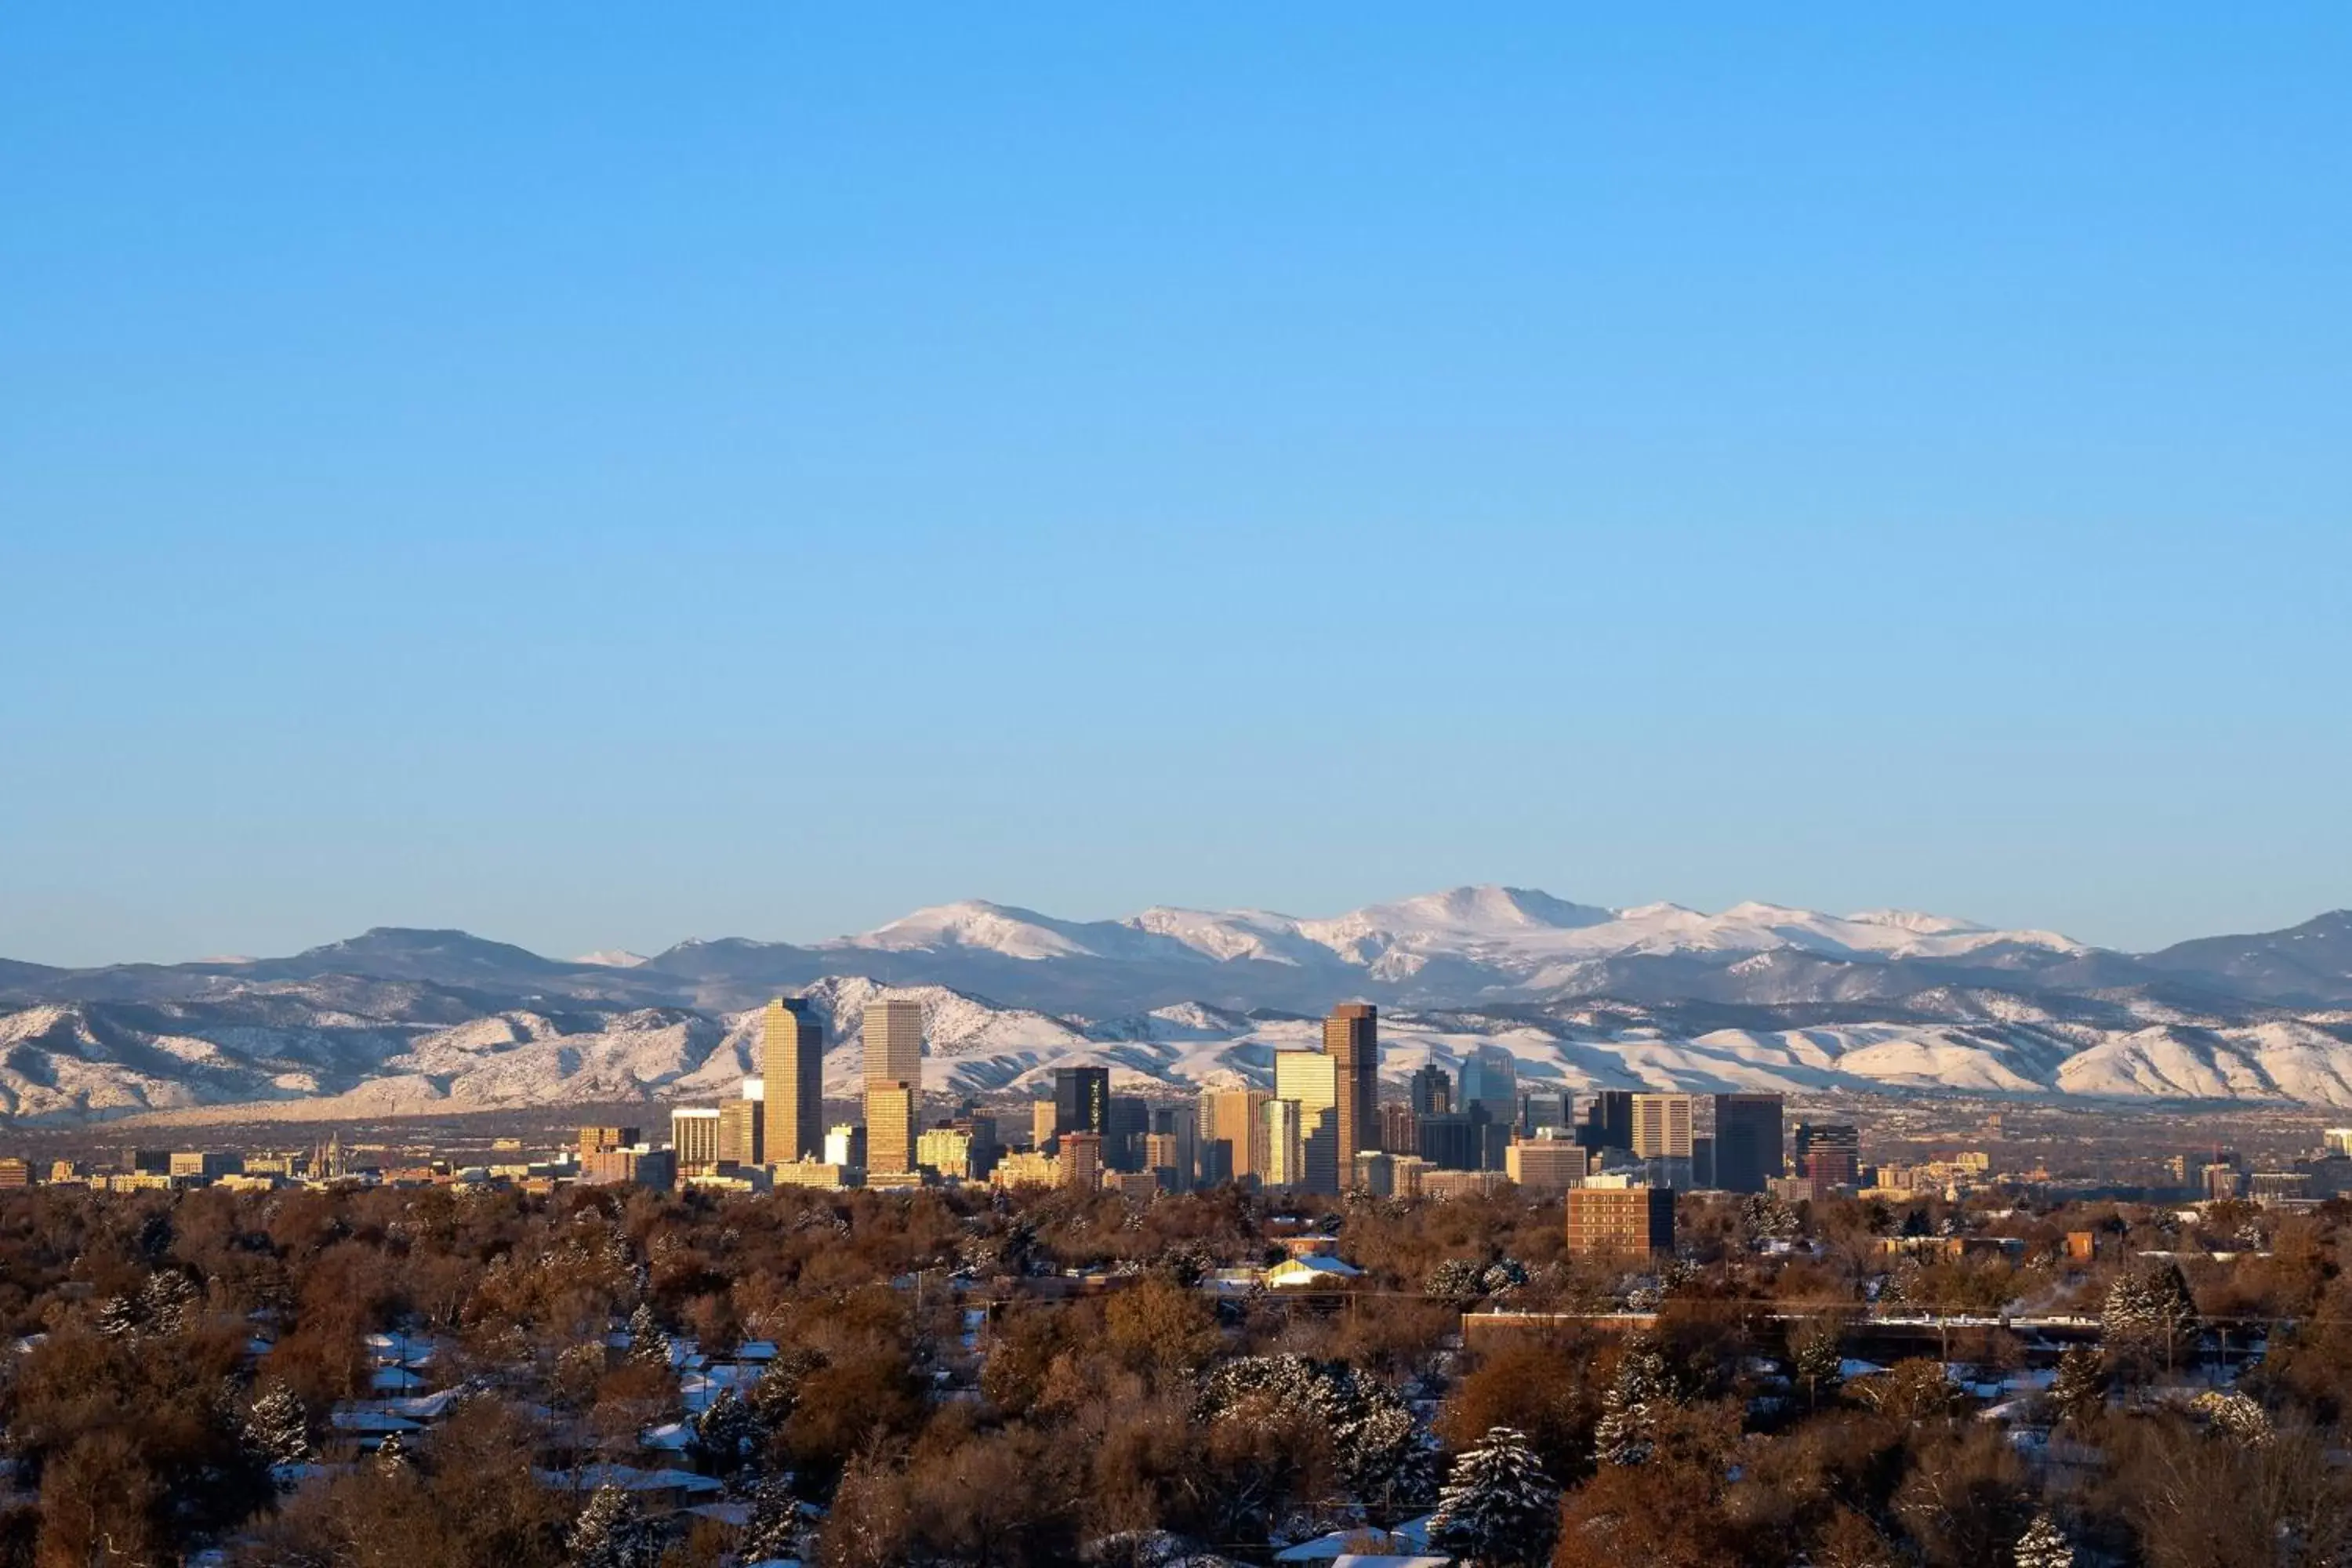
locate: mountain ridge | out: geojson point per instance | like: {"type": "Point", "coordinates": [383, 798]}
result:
{"type": "Point", "coordinates": [1760, 996]}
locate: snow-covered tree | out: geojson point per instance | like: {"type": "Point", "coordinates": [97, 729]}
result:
{"type": "Point", "coordinates": [1764, 1217]}
{"type": "Point", "coordinates": [117, 1318]}
{"type": "Point", "coordinates": [1499, 1510]}
{"type": "Point", "coordinates": [724, 1434]}
{"type": "Point", "coordinates": [278, 1427]}
{"type": "Point", "coordinates": [778, 1393]}
{"type": "Point", "coordinates": [1630, 1410]}
{"type": "Point", "coordinates": [2079, 1391]}
{"type": "Point", "coordinates": [2234, 1416]}
{"type": "Point", "coordinates": [391, 1454]}
{"type": "Point", "coordinates": [774, 1528]}
{"type": "Point", "coordinates": [647, 1340]}
{"type": "Point", "coordinates": [165, 1302]}
{"type": "Point", "coordinates": [1818, 1361]}
{"type": "Point", "coordinates": [1455, 1278]}
{"type": "Point", "coordinates": [1383, 1453]}
{"type": "Point", "coordinates": [612, 1532]}
{"type": "Point", "coordinates": [2150, 1312]}
{"type": "Point", "coordinates": [2044, 1545]}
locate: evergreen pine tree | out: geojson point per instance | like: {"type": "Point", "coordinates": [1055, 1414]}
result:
{"type": "Point", "coordinates": [773, 1530]}
{"type": "Point", "coordinates": [391, 1454]}
{"type": "Point", "coordinates": [612, 1532]}
{"type": "Point", "coordinates": [166, 1302]}
{"type": "Point", "coordinates": [278, 1427]}
{"type": "Point", "coordinates": [2079, 1391]}
{"type": "Point", "coordinates": [1629, 1411]}
{"type": "Point", "coordinates": [2150, 1312]}
{"type": "Point", "coordinates": [118, 1318]}
{"type": "Point", "coordinates": [647, 1340]}
{"type": "Point", "coordinates": [1499, 1510]}
{"type": "Point", "coordinates": [1818, 1361]}
{"type": "Point", "coordinates": [723, 1434]}
{"type": "Point", "coordinates": [2044, 1545]}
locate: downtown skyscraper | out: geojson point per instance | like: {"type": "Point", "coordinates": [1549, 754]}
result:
{"type": "Point", "coordinates": [894, 1083]}
{"type": "Point", "coordinates": [1351, 1038]}
{"type": "Point", "coordinates": [791, 1068]}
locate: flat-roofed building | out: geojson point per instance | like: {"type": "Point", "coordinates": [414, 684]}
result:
{"type": "Point", "coordinates": [1081, 1100]}
{"type": "Point", "coordinates": [1609, 1217]}
{"type": "Point", "coordinates": [1663, 1126]}
{"type": "Point", "coordinates": [1828, 1154]}
{"type": "Point", "coordinates": [1310, 1080]}
{"type": "Point", "coordinates": [945, 1149]}
{"type": "Point", "coordinates": [743, 1132]}
{"type": "Point", "coordinates": [204, 1164]}
{"type": "Point", "coordinates": [1027, 1168]}
{"type": "Point", "coordinates": [1546, 1164]}
{"type": "Point", "coordinates": [889, 1131]}
{"type": "Point", "coordinates": [1175, 1133]}
{"type": "Point", "coordinates": [792, 1077]}
{"type": "Point", "coordinates": [597, 1140]}
{"type": "Point", "coordinates": [1351, 1038]}
{"type": "Point", "coordinates": [816, 1173]}
{"type": "Point", "coordinates": [1746, 1141]}
{"type": "Point", "coordinates": [655, 1168]}
{"type": "Point", "coordinates": [893, 1038]}
{"type": "Point", "coordinates": [1235, 1119]}
{"type": "Point", "coordinates": [1286, 1150]}
{"type": "Point", "coordinates": [1081, 1161]}
{"type": "Point", "coordinates": [694, 1135]}
{"type": "Point", "coordinates": [844, 1144]}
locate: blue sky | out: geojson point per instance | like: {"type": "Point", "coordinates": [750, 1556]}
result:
{"type": "Point", "coordinates": [599, 476]}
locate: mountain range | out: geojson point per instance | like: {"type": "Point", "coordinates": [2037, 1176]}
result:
{"type": "Point", "coordinates": [1757, 996]}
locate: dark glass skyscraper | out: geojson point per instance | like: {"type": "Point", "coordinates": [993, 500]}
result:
{"type": "Point", "coordinates": [1081, 1100]}
{"type": "Point", "coordinates": [1608, 1121]}
{"type": "Point", "coordinates": [1746, 1141]}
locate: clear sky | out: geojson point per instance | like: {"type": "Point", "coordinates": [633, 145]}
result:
{"type": "Point", "coordinates": [599, 474]}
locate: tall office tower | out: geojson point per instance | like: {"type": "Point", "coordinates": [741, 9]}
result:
{"type": "Point", "coordinates": [2338, 1139]}
{"type": "Point", "coordinates": [1829, 1153]}
{"type": "Point", "coordinates": [894, 1083]}
{"type": "Point", "coordinates": [1450, 1140]}
{"type": "Point", "coordinates": [1400, 1128]}
{"type": "Point", "coordinates": [890, 1135]}
{"type": "Point", "coordinates": [1041, 1123]}
{"type": "Point", "coordinates": [1286, 1152]}
{"type": "Point", "coordinates": [1081, 1165]}
{"type": "Point", "coordinates": [1433, 1091]}
{"type": "Point", "coordinates": [1540, 1108]}
{"type": "Point", "coordinates": [1608, 1121]}
{"type": "Point", "coordinates": [1127, 1119]}
{"type": "Point", "coordinates": [1082, 1100]}
{"type": "Point", "coordinates": [1351, 1038]}
{"type": "Point", "coordinates": [1746, 1141]}
{"type": "Point", "coordinates": [743, 1132]}
{"type": "Point", "coordinates": [1311, 1079]}
{"type": "Point", "coordinates": [792, 1070]}
{"type": "Point", "coordinates": [1661, 1126]}
{"type": "Point", "coordinates": [1234, 1119]}
{"type": "Point", "coordinates": [1490, 1076]}
{"type": "Point", "coordinates": [1180, 1125]}
{"type": "Point", "coordinates": [694, 1134]}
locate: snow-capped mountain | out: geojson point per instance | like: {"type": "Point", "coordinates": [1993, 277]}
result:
{"type": "Point", "coordinates": [1514, 932]}
{"type": "Point", "coordinates": [1757, 996]}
